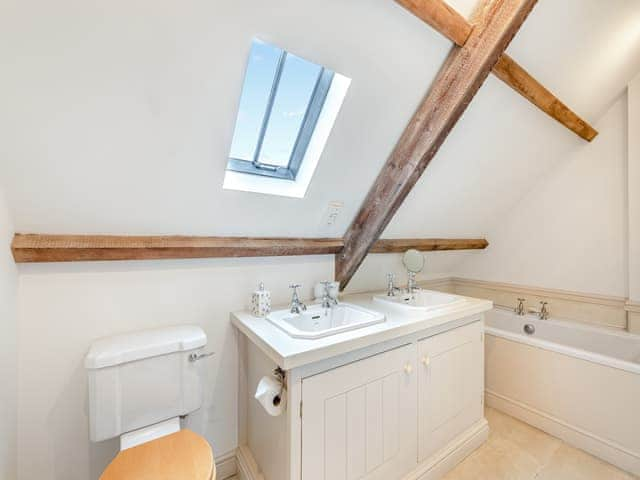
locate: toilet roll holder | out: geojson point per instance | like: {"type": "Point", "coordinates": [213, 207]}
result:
{"type": "Point", "coordinates": [281, 375]}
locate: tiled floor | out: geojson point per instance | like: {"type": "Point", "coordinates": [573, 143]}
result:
{"type": "Point", "coordinates": [517, 451]}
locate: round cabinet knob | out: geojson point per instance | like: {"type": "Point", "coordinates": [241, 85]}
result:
{"type": "Point", "coordinates": [426, 361]}
{"type": "Point", "coordinates": [408, 368]}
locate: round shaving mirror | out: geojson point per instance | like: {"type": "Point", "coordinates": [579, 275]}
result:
{"type": "Point", "coordinates": [413, 261]}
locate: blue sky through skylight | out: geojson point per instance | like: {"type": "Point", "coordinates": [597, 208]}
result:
{"type": "Point", "coordinates": [261, 70]}
{"type": "Point", "coordinates": [295, 89]}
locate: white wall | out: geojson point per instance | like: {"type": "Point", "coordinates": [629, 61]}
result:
{"type": "Point", "coordinates": [634, 191]}
{"type": "Point", "coordinates": [569, 230]}
{"type": "Point", "coordinates": [8, 347]}
{"type": "Point", "coordinates": [66, 306]}
{"type": "Point", "coordinates": [130, 108]}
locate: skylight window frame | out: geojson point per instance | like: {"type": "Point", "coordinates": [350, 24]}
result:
{"type": "Point", "coordinates": [305, 132]}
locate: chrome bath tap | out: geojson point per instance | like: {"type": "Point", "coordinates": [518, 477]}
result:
{"type": "Point", "coordinates": [520, 310]}
{"type": "Point", "coordinates": [296, 304]}
{"type": "Point", "coordinates": [544, 312]}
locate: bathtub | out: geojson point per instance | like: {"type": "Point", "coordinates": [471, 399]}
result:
{"type": "Point", "coordinates": [577, 382]}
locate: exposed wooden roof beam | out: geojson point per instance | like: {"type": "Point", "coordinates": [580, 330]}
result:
{"type": "Point", "coordinates": [508, 70]}
{"type": "Point", "coordinates": [442, 17]}
{"type": "Point", "coordinates": [462, 75]}
{"type": "Point", "coordinates": [77, 248]}
{"type": "Point", "coordinates": [400, 245]}
{"type": "Point", "coordinates": [452, 25]}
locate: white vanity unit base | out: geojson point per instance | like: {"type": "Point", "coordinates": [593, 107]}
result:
{"type": "Point", "coordinates": [393, 401]}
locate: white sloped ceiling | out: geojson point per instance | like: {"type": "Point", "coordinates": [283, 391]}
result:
{"type": "Point", "coordinates": [117, 116]}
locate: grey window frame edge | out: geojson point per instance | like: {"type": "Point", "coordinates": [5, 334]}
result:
{"type": "Point", "coordinates": [310, 121]}
{"type": "Point", "coordinates": [314, 109]}
{"type": "Point", "coordinates": [245, 166]}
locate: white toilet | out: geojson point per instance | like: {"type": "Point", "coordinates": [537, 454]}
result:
{"type": "Point", "coordinates": [140, 384]}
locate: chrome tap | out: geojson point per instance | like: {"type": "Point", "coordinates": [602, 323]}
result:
{"type": "Point", "coordinates": [520, 310]}
{"type": "Point", "coordinates": [391, 288]}
{"type": "Point", "coordinates": [296, 304]}
{"type": "Point", "coordinates": [327, 300]}
{"type": "Point", "coordinates": [412, 286]}
{"type": "Point", "coordinates": [544, 312]}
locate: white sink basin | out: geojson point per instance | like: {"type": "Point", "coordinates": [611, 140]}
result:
{"type": "Point", "coordinates": [421, 300]}
{"type": "Point", "coordinates": [318, 322]}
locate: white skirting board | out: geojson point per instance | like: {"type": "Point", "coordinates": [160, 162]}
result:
{"type": "Point", "coordinates": [433, 469]}
{"type": "Point", "coordinates": [226, 466]}
{"type": "Point", "coordinates": [451, 455]}
{"type": "Point", "coordinates": [575, 436]}
{"type": "Point", "coordinates": [247, 466]}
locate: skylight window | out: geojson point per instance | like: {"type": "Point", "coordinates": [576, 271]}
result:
{"type": "Point", "coordinates": [287, 108]}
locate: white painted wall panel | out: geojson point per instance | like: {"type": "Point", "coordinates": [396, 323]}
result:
{"type": "Point", "coordinates": [449, 386]}
{"type": "Point", "coordinates": [375, 425]}
{"type": "Point", "coordinates": [8, 347]}
{"type": "Point", "coordinates": [359, 419]}
{"type": "Point", "coordinates": [356, 434]}
{"type": "Point", "coordinates": [634, 190]}
{"type": "Point", "coordinates": [569, 230]}
{"type": "Point", "coordinates": [335, 439]}
{"type": "Point", "coordinates": [390, 415]}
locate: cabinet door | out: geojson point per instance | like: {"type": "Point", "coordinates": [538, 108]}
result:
{"type": "Point", "coordinates": [450, 386]}
{"type": "Point", "coordinates": [359, 420]}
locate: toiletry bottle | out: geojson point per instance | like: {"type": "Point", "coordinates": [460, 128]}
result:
{"type": "Point", "coordinates": [261, 302]}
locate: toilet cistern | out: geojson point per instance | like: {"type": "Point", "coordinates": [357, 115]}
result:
{"type": "Point", "coordinates": [140, 386]}
{"type": "Point", "coordinates": [141, 382]}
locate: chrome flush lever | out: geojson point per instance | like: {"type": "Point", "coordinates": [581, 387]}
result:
{"type": "Point", "coordinates": [194, 357]}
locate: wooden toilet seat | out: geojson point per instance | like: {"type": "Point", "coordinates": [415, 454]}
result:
{"type": "Point", "coordinates": [183, 455]}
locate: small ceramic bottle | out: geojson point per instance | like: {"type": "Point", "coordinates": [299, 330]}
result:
{"type": "Point", "coordinates": [261, 302]}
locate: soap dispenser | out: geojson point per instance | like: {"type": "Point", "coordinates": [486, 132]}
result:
{"type": "Point", "coordinates": [261, 302]}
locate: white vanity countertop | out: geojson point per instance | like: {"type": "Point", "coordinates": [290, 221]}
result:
{"type": "Point", "coordinates": [289, 353]}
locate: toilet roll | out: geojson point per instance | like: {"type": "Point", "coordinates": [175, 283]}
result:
{"type": "Point", "coordinates": [271, 396]}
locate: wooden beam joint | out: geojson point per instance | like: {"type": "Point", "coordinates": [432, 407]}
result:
{"type": "Point", "coordinates": [439, 15]}
{"type": "Point", "coordinates": [464, 71]}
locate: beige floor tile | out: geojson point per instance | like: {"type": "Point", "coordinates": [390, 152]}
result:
{"type": "Point", "coordinates": [572, 464]}
{"type": "Point", "coordinates": [517, 451]}
{"type": "Point", "coordinates": [498, 458]}
{"type": "Point", "coordinates": [535, 442]}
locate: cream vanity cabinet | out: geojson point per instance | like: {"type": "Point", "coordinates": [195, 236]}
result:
{"type": "Point", "coordinates": [362, 420]}
{"type": "Point", "coordinates": [359, 420]}
{"type": "Point", "coordinates": [408, 408]}
{"type": "Point", "coordinates": [450, 386]}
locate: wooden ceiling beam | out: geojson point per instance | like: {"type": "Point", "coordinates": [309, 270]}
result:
{"type": "Point", "coordinates": [77, 248]}
{"type": "Point", "coordinates": [511, 73]}
{"type": "Point", "coordinates": [32, 248]}
{"type": "Point", "coordinates": [401, 245]}
{"type": "Point", "coordinates": [463, 73]}
{"type": "Point", "coordinates": [439, 15]}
